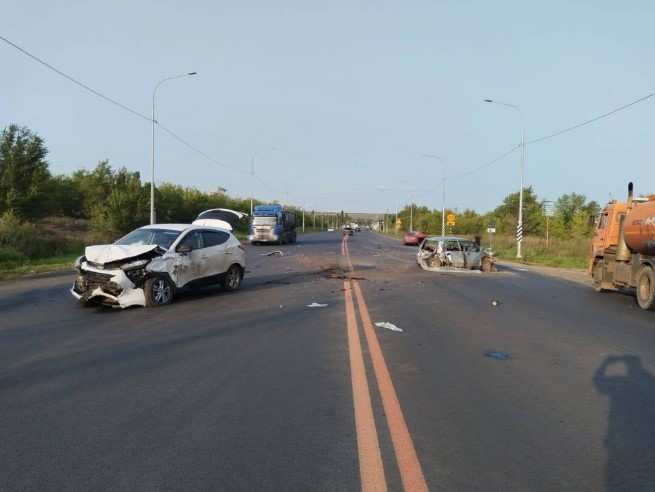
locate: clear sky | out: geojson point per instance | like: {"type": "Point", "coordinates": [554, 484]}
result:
{"type": "Point", "coordinates": [340, 98]}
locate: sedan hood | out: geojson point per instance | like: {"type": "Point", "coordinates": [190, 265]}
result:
{"type": "Point", "coordinates": [107, 253]}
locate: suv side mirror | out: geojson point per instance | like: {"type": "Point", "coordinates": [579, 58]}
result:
{"type": "Point", "coordinates": [184, 249]}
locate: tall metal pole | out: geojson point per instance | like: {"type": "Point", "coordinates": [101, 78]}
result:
{"type": "Point", "coordinates": [252, 181]}
{"type": "Point", "coordinates": [519, 231]}
{"type": "Point", "coordinates": [519, 225]}
{"type": "Point", "coordinates": [303, 220]}
{"type": "Point", "coordinates": [154, 122]}
{"type": "Point", "coordinates": [152, 170]}
{"type": "Point", "coordinates": [411, 216]}
{"type": "Point", "coordinates": [443, 207]}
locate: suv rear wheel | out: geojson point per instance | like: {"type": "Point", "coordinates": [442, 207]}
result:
{"type": "Point", "coordinates": [232, 278]}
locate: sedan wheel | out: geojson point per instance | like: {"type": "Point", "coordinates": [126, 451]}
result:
{"type": "Point", "coordinates": [232, 279]}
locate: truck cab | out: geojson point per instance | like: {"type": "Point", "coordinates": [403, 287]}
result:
{"type": "Point", "coordinates": [606, 235]}
{"type": "Point", "coordinates": [272, 224]}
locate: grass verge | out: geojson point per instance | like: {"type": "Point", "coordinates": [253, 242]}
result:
{"type": "Point", "coordinates": [39, 265]}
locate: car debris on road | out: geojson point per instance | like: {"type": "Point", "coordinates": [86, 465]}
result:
{"type": "Point", "coordinates": [316, 305]}
{"type": "Point", "coordinates": [387, 325]}
{"type": "Point", "coordinates": [277, 252]}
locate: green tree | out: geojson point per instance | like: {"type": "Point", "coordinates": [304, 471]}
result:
{"type": "Point", "coordinates": [23, 172]}
{"type": "Point", "coordinates": [506, 214]}
{"type": "Point", "coordinates": [572, 216]}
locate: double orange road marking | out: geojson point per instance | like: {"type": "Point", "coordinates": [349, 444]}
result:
{"type": "Point", "coordinates": [368, 447]}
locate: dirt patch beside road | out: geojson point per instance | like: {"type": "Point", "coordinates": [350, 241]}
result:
{"type": "Point", "coordinates": [576, 275]}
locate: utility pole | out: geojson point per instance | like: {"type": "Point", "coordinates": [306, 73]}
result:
{"type": "Point", "coordinates": [303, 220]}
{"type": "Point", "coordinates": [519, 226]}
{"type": "Point", "coordinates": [443, 207]}
{"type": "Point", "coordinates": [154, 123]}
{"type": "Point", "coordinates": [252, 182]}
{"type": "Point", "coordinates": [411, 216]}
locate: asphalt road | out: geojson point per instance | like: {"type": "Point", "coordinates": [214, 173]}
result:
{"type": "Point", "coordinates": [255, 391]}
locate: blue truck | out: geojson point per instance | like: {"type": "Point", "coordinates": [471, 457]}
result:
{"type": "Point", "coordinates": [272, 224]}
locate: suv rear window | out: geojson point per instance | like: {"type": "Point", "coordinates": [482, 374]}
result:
{"type": "Point", "coordinates": [214, 238]}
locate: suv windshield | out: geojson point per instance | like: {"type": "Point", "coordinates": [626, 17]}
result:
{"type": "Point", "coordinates": [161, 237]}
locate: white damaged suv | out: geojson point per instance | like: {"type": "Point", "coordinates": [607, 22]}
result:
{"type": "Point", "coordinates": [147, 266]}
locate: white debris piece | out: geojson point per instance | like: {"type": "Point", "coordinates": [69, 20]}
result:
{"type": "Point", "coordinates": [315, 305]}
{"type": "Point", "coordinates": [388, 326]}
{"type": "Point", "coordinates": [277, 252]}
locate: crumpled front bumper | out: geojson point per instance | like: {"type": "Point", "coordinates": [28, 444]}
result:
{"type": "Point", "coordinates": [110, 287]}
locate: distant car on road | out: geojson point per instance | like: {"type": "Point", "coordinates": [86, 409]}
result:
{"type": "Point", "coordinates": [413, 238]}
{"type": "Point", "coordinates": [347, 230]}
{"type": "Point", "coordinates": [147, 266]}
{"type": "Point", "coordinates": [444, 252]}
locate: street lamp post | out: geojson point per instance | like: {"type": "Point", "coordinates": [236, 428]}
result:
{"type": "Point", "coordinates": [252, 176]}
{"type": "Point", "coordinates": [154, 122]}
{"type": "Point", "coordinates": [519, 226]}
{"type": "Point", "coordinates": [411, 216]}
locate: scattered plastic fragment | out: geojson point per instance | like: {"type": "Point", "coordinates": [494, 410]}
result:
{"type": "Point", "coordinates": [388, 326]}
{"type": "Point", "coordinates": [495, 302]}
{"type": "Point", "coordinates": [495, 354]}
{"type": "Point", "coordinates": [277, 252]}
{"type": "Point", "coordinates": [316, 305]}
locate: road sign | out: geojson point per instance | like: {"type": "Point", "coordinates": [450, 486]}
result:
{"type": "Point", "coordinates": [491, 230]}
{"type": "Point", "coordinates": [549, 208]}
{"type": "Point", "coordinates": [519, 232]}
{"type": "Point", "coordinates": [450, 219]}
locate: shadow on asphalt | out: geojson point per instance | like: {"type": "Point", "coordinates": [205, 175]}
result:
{"type": "Point", "coordinates": [630, 438]}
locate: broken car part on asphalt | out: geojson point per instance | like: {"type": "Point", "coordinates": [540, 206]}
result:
{"type": "Point", "coordinates": [316, 305]}
{"type": "Point", "coordinates": [387, 325]}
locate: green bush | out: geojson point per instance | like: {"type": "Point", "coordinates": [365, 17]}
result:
{"type": "Point", "coordinates": [10, 258]}
{"type": "Point", "coordinates": [30, 241]}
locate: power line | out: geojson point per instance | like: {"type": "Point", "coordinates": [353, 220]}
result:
{"type": "Point", "coordinates": [75, 81]}
{"type": "Point", "coordinates": [175, 136]}
{"type": "Point", "coordinates": [93, 91]}
{"type": "Point", "coordinates": [555, 134]}
{"type": "Point", "coordinates": [486, 164]}
{"type": "Point", "coordinates": [592, 120]}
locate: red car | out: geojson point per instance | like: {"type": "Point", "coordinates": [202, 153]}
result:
{"type": "Point", "coordinates": [414, 238]}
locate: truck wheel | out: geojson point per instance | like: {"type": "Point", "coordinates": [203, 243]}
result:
{"type": "Point", "coordinates": [597, 275]}
{"type": "Point", "coordinates": [232, 278]}
{"type": "Point", "coordinates": [646, 288]}
{"type": "Point", "coordinates": [159, 291]}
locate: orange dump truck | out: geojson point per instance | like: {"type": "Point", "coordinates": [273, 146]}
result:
{"type": "Point", "coordinates": [623, 248]}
